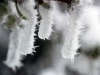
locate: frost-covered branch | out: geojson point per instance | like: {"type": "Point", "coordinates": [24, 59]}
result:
{"type": "Point", "coordinates": [21, 19]}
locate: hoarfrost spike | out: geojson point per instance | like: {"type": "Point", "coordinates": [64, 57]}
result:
{"type": "Point", "coordinates": [45, 28]}
{"type": "Point", "coordinates": [71, 44]}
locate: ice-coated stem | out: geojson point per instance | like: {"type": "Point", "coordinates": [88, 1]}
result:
{"type": "Point", "coordinates": [27, 39]}
{"type": "Point", "coordinates": [71, 44]}
{"type": "Point", "coordinates": [45, 28]}
{"type": "Point", "coordinates": [13, 56]}
{"type": "Point", "coordinates": [21, 39]}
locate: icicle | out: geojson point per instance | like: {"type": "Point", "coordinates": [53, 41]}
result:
{"type": "Point", "coordinates": [45, 27]}
{"type": "Point", "coordinates": [27, 39]}
{"type": "Point", "coordinates": [71, 44]}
